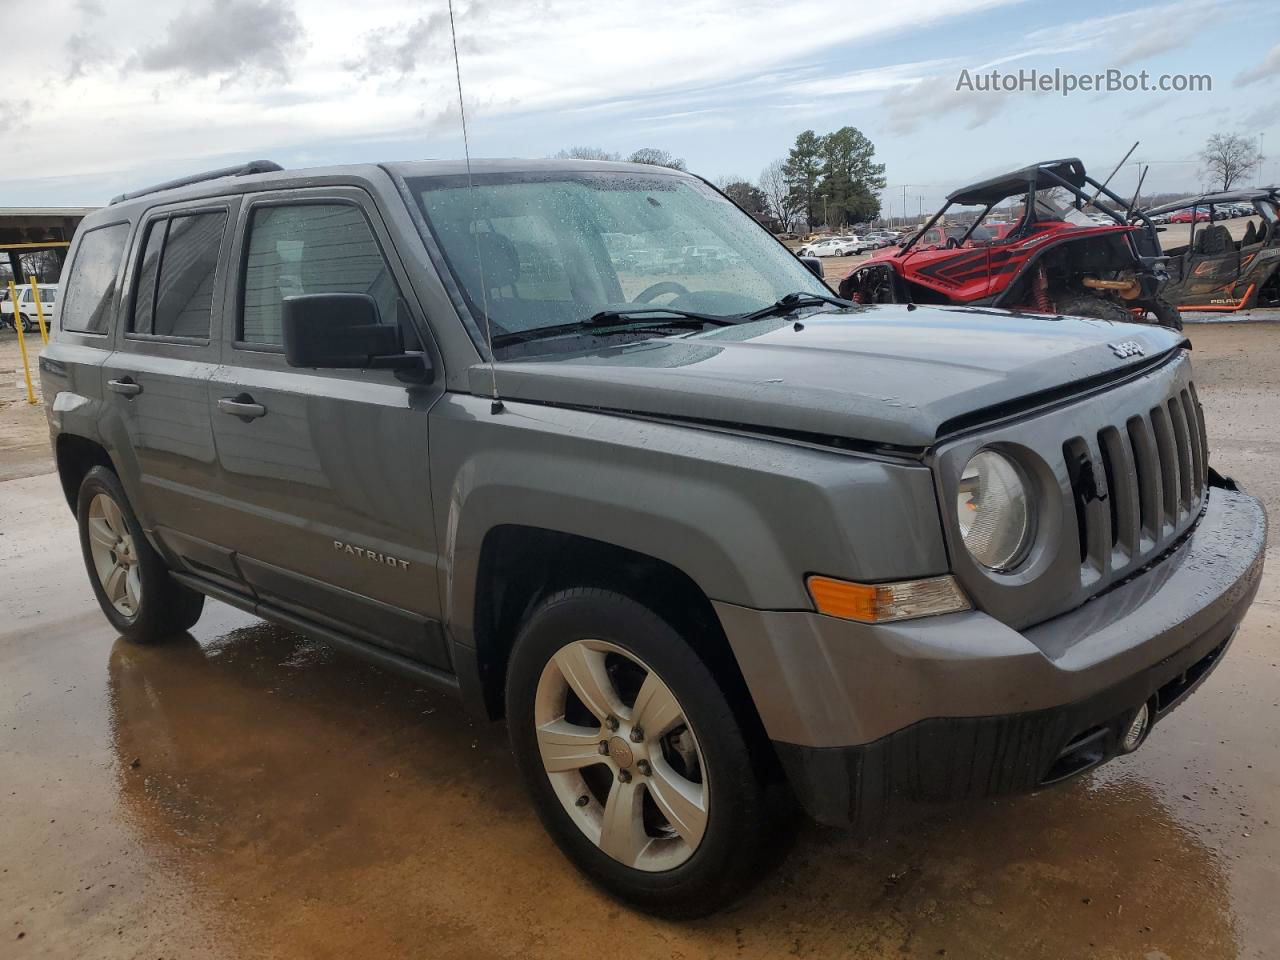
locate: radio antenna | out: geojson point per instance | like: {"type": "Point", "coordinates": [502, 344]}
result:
{"type": "Point", "coordinates": [495, 406]}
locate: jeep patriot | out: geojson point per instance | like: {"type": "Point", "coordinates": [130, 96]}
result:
{"type": "Point", "coordinates": [714, 543]}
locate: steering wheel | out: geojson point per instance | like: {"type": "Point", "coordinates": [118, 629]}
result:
{"type": "Point", "coordinates": [658, 289]}
{"type": "Point", "coordinates": [952, 243]}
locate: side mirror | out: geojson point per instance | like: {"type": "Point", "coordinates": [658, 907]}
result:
{"type": "Point", "coordinates": [814, 265]}
{"type": "Point", "coordinates": [341, 331]}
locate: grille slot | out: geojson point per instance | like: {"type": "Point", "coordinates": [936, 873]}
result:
{"type": "Point", "coordinates": [1134, 485]}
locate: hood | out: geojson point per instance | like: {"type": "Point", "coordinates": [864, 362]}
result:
{"type": "Point", "coordinates": [881, 374]}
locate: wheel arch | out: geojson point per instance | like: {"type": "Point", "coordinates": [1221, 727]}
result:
{"type": "Point", "coordinates": [521, 565]}
{"type": "Point", "coordinates": [75, 456]}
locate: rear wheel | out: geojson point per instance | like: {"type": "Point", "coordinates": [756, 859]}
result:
{"type": "Point", "coordinates": [27, 324]}
{"type": "Point", "coordinates": [1165, 313]}
{"type": "Point", "coordinates": [636, 762]}
{"type": "Point", "coordinates": [1087, 305]}
{"type": "Point", "coordinates": [129, 578]}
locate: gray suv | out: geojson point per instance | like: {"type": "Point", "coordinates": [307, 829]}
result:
{"type": "Point", "coordinates": [713, 542]}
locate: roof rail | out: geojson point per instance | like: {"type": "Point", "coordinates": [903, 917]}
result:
{"type": "Point", "coordinates": [244, 169]}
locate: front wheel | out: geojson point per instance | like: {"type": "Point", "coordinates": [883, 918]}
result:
{"type": "Point", "coordinates": [636, 761]}
{"type": "Point", "coordinates": [1088, 305]}
{"type": "Point", "coordinates": [1165, 313]}
{"type": "Point", "coordinates": [129, 578]}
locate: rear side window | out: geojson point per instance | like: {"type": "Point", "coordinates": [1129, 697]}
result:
{"type": "Point", "coordinates": [174, 296]}
{"type": "Point", "coordinates": [92, 285]}
{"type": "Point", "coordinates": [310, 248]}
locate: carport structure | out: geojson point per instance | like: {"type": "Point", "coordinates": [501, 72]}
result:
{"type": "Point", "coordinates": [27, 230]}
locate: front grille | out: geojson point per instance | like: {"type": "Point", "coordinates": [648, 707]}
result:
{"type": "Point", "coordinates": [1136, 485]}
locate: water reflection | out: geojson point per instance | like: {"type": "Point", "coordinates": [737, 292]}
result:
{"type": "Point", "coordinates": [333, 809]}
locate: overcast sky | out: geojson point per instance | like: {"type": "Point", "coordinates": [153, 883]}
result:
{"type": "Point", "coordinates": [101, 96]}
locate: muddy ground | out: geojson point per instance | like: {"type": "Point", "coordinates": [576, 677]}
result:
{"type": "Point", "coordinates": [245, 792]}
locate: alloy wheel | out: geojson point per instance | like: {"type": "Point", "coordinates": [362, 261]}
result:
{"type": "Point", "coordinates": [621, 755]}
{"type": "Point", "coordinates": [115, 558]}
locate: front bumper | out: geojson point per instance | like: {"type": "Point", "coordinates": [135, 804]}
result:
{"type": "Point", "coordinates": [962, 706]}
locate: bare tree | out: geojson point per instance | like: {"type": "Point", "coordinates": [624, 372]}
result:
{"type": "Point", "coordinates": [657, 158]}
{"type": "Point", "coordinates": [777, 192]}
{"type": "Point", "coordinates": [587, 153]}
{"type": "Point", "coordinates": [1228, 158]}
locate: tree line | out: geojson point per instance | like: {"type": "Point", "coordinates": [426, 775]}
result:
{"type": "Point", "coordinates": [829, 179]}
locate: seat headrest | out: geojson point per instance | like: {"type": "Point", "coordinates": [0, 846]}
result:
{"type": "Point", "coordinates": [498, 257]}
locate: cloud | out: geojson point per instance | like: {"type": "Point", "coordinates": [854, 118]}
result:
{"type": "Point", "coordinates": [227, 39]}
{"type": "Point", "coordinates": [400, 49]}
{"type": "Point", "coordinates": [13, 114]}
{"type": "Point", "coordinates": [933, 97]}
{"type": "Point", "coordinates": [84, 52]}
{"type": "Point", "coordinates": [1267, 69]}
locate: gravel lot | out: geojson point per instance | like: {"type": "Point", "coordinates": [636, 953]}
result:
{"type": "Point", "coordinates": [245, 792]}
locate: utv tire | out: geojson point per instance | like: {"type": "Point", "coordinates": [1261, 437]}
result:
{"type": "Point", "coordinates": [628, 744]}
{"type": "Point", "coordinates": [129, 578]}
{"type": "Point", "coordinates": [1166, 313]}
{"type": "Point", "coordinates": [1086, 305]}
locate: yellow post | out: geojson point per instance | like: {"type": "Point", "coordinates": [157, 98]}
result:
{"type": "Point", "coordinates": [35, 295]}
{"type": "Point", "coordinates": [22, 342]}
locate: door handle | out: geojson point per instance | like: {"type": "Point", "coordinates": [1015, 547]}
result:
{"type": "Point", "coordinates": [124, 386]}
{"type": "Point", "coordinates": [242, 406]}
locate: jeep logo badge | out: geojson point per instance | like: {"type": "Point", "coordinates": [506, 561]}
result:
{"type": "Point", "coordinates": [1127, 348]}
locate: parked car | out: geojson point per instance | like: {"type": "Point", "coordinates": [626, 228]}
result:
{"type": "Point", "coordinates": [707, 542]}
{"type": "Point", "coordinates": [1053, 259]}
{"type": "Point", "coordinates": [27, 314]}
{"type": "Point", "coordinates": [833, 247]}
{"type": "Point", "coordinates": [1214, 271]}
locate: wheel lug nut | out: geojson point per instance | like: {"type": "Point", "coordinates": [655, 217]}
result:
{"type": "Point", "coordinates": [643, 767]}
{"type": "Point", "coordinates": [612, 723]}
{"type": "Point", "coordinates": [582, 801]}
{"type": "Point", "coordinates": [637, 735]}
{"type": "Point", "coordinates": [624, 776]}
{"type": "Point", "coordinates": [604, 748]}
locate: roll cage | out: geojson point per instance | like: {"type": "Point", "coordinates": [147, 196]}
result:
{"type": "Point", "coordinates": [1068, 174]}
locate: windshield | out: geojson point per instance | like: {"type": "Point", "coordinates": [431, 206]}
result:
{"type": "Point", "coordinates": [562, 247]}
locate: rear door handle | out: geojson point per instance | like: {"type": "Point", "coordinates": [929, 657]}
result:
{"type": "Point", "coordinates": [242, 406]}
{"type": "Point", "coordinates": [124, 386]}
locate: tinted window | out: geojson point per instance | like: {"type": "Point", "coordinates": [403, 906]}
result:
{"type": "Point", "coordinates": [184, 295]}
{"type": "Point", "coordinates": [92, 284]}
{"type": "Point", "coordinates": [310, 248]}
{"type": "Point", "coordinates": [174, 297]}
{"type": "Point", "coordinates": [144, 293]}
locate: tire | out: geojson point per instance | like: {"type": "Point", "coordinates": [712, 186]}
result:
{"type": "Point", "coordinates": [1165, 313]}
{"type": "Point", "coordinates": [129, 578]}
{"type": "Point", "coordinates": [1087, 305]}
{"type": "Point", "coordinates": [615, 648]}
{"type": "Point", "coordinates": [27, 323]}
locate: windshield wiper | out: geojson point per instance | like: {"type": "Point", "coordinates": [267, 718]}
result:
{"type": "Point", "coordinates": [645, 317]}
{"type": "Point", "coordinates": [794, 301]}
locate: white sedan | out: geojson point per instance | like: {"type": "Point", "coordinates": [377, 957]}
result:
{"type": "Point", "coordinates": [833, 247]}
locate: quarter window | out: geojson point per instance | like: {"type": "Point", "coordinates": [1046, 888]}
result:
{"type": "Point", "coordinates": [92, 284]}
{"type": "Point", "coordinates": [310, 248]}
{"type": "Point", "coordinates": [176, 279]}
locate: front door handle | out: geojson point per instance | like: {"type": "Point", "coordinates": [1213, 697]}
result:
{"type": "Point", "coordinates": [242, 406]}
{"type": "Point", "coordinates": [124, 386]}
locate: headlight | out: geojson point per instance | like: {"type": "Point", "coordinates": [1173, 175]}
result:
{"type": "Point", "coordinates": [994, 510]}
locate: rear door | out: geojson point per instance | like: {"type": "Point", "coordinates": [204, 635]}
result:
{"type": "Point", "coordinates": [323, 474]}
{"type": "Point", "coordinates": [156, 380]}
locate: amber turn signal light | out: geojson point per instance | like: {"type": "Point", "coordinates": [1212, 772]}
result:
{"type": "Point", "coordinates": [887, 602]}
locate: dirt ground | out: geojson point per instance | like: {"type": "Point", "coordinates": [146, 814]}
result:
{"type": "Point", "coordinates": [245, 792]}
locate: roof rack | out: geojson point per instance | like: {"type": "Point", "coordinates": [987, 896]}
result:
{"type": "Point", "coordinates": [244, 169]}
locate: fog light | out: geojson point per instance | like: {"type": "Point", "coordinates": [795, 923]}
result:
{"type": "Point", "coordinates": [1137, 730]}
